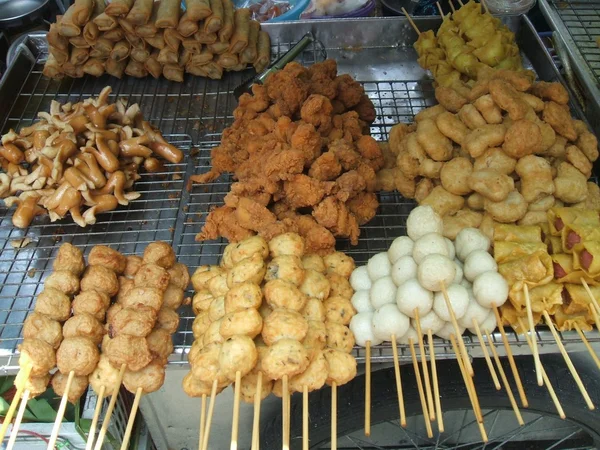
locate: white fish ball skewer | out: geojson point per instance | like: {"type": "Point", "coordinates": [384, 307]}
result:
{"type": "Point", "coordinates": [490, 288]}
{"type": "Point", "coordinates": [478, 262]}
{"type": "Point", "coordinates": [404, 269]}
{"type": "Point", "coordinates": [361, 300]}
{"type": "Point", "coordinates": [382, 292]}
{"type": "Point", "coordinates": [436, 271]}
{"type": "Point", "coordinates": [429, 244]}
{"type": "Point", "coordinates": [379, 266]}
{"type": "Point", "coordinates": [402, 246]}
{"type": "Point", "coordinates": [474, 311]}
{"type": "Point", "coordinates": [411, 295]}
{"type": "Point", "coordinates": [430, 321]}
{"type": "Point", "coordinates": [447, 330]}
{"type": "Point", "coordinates": [423, 220]}
{"type": "Point", "coordinates": [450, 247]}
{"type": "Point", "coordinates": [459, 302]}
{"type": "Point", "coordinates": [468, 240]}
{"type": "Point", "coordinates": [359, 279]}
{"type": "Point", "coordinates": [388, 321]}
{"type": "Point", "coordinates": [360, 325]}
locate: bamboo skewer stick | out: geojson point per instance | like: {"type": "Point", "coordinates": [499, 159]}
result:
{"type": "Point", "coordinates": [20, 381]}
{"type": "Point", "coordinates": [368, 389]}
{"type": "Point", "coordinates": [61, 412]}
{"type": "Point", "coordinates": [430, 405]}
{"type": "Point", "coordinates": [594, 307]}
{"type": "Point", "coordinates": [485, 7]}
{"type": "Point", "coordinates": [461, 342]}
{"type": "Point", "coordinates": [211, 409]}
{"type": "Point", "coordinates": [285, 412]}
{"type": "Point", "coordinates": [256, 421]}
{"type": "Point", "coordinates": [92, 433]}
{"type": "Point", "coordinates": [398, 382]}
{"type": "Point", "coordinates": [305, 437]}
{"type": "Point", "coordinates": [511, 359]}
{"type": "Point", "coordinates": [486, 355]}
{"type": "Point", "coordinates": [235, 423]}
{"type": "Point", "coordinates": [452, 6]}
{"type": "Point", "coordinates": [594, 312]}
{"type": "Point", "coordinates": [436, 387]}
{"type": "Point", "coordinates": [420, 389]}
{"type": "Point", "coordinates": [411, 21]}
{"type": "Point", "coordinates": [509, 392]}
{"type": "Point", "coordinates": [19, 417]}
{"type": "Point", "coordinates": [111, 408]}
{"type": "Point", "coordinates": [202, 420]}
{"type": "Point", "coordinates": [440, 9]}
{"type": "Point", "coordinates": [460, 3]}
{"type": "Point", "coordinates": [131, 421]}
{"type": "Point", "coordinates": [334, 416]}
{"type": "Point", "coordinates": [587, 345]}
{"type": "Point", "coordinates": [536, 353]}
{"type": "Point", "coordinates": [567, 359]}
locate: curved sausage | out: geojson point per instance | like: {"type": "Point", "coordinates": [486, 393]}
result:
{"type": "Point", "coordinates": [586, 258]}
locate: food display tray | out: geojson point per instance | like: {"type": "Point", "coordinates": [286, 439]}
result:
{"type": "Point", "coordinates": [192, 115]}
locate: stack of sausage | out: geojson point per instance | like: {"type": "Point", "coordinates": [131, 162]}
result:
{"type": "Point", "coordinates": [143, 37]}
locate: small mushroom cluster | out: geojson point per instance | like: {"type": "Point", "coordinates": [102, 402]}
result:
{"type": "Point", "coordinates": [81, 159]}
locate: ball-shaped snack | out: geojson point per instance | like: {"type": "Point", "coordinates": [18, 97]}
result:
{"type": "Point", "coordinates": [423, 220]}
{"type": "Point", "coordinates": [388, 321]}
{"type": "Point", "coordinates": [203, 275]}
{"type": "Point", "coordinates": [213, 334]}
{"type": "Point", "coordinates": [101, 255]}
{"type": "Point", "coordinates": [64, 281]}
{"type": "Point", "coordinates": [238, 354]}
{"type": "Point", "coordinates": [342, 367]}
{"type": "Point", "coordinates": [339, 336]}
{"type": "Point", "coordinates": [202, 300]}
{"type": "Point", "coordinates": [136, 321]}
{"type": "Point", "coordinates": [40, 326]}
{"type": "Point", "coordinates": [247, 322]}
{"type": "Point", "coordinates": [339, 263]}
{"type": "Point", "coordinates": [99, 278]}
{"type": "Point", "coordinates": [132, 265]}
{"type": "Point", "coordinates": [285, 267]}
{"type": "Point", "coordinates": [167, 319]}
{"type": "Point", "coordinates": [314, 376]}
{"type": "Point", "coordinates": [153, 276]}
{"type": "Point", "coordinates": [382, 292]}
{"type": "Point", "coordinates": [84, 325]}
{"type": "Point", "coordinates": [149, 379]}
{"type": "Point", "coordinates": [410, 296]}
{"type": "Point", "coordinates": [450, 247]}
{"type": "Point", "coordinates": [248, 248]}
{"type": "Point", "coordinates": [91, 302]}
{"type": "Point", "coordinates": [314, 262]}
{"type": "Point", "coordinates": [313, 310]}
{"type": "Point", "coordinates": [125, 285]}
{"type": "Point", "coordinates": [339, 286]}
{"type": "Point", "coordinates": [477, 262]}
{"type": "Point", "coordinates": [143, 296]}
{"type": "Point", "coordinates": [173, 297]}
{"type": "Point", "coordinates": [379, 266]}
{"type": "Point", "coordinates": [78, 386]}
{"type": "Point", "coordinates": [132, 351]}
{"type": "Point", "coordinates": [466, 284]}
{"type": "Point", "coordinates": [284, 324]}
{"type": "Point", "coordinates": [488, 325]}
{"type": "Point", "coordinates": [39, 354]}
{"type": "Point", "coordinates": [474, 312]}
{"type": "Point", "coordinates": [316, 336]}
{"type": "Point", "coordinates": [196, 388]}
{"type": "Point", "coordinates": [159, 253]}
{"type": "Point", "coordinates": [339, 309]}
{"type": "Point", "coordinates": [361, 327]}
{"type": "Point", "coordinates": [490, 289]}
{"type": "Point", "coordinates": [251, 269]}
{"type": "Point", "coordinates": [216, 310]}
{"type": "Point", "coordinates": [53, 304]}
{"type": "Point", "coordinates": [160, 344]}
{"type": "Point", "coordinates": [448, 330]}
{"type": "Point", "coordinates": [77, 354]}
{"type": "Point", "coordinates": [361, 301]}
{"type": "Point", "coordinates": [285, 357]}
{"type": "Point", "coordinates": [104, 375]}
{"type": "Point", "coordinates": [248, 386]}
{"type": "Point", "coordinates": [287, 244]}
{"type": "Point", "coordinates": [429, 244]}
{"type": "Point", "coordinates": [410, 335]}
{"type": "Point", "coordinates": [36, 385]}
{"type": "Point", "coordinates": [359, 280]}
{"type": "Point", "coordinates": [430, 321]}
{"type": "Point", "coordinates": [436, 271]}
{"type": "Point", "coordinates": [459, 276]}
{"type": "Point", "coordinates": [315, 284]}
{"type": "Point", "coordinates": [205, 364]}
{"type": "Point", "coordinates": [242, 296]}
{"type": "Point", "coordinates": [69, 258]}
{"type": "Point", "coordinates": [404, 269]}
{"type": "Point", "coordinates": [401, 246]}
{"type": "Point", "coordinates": [217, 286]}
{"type": "Point", "coordinates": [179, 275]}
{"type": "Point", "coordinates": [459, 301]}
{"type": "Point", "coordinates": [468, 240]}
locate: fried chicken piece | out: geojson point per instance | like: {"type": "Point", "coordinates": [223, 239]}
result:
{"type": "Point", "coordinates": [370, 150]}
{"type": "Point", "coordinates": [308, 141]}
{"type": "Point", "coordinates": [327, 68]}
{"type": "Point", "coordinates": [347, 126]}
{"type": "Point", "coordinates": [558, 117]}
{"type": "Point", "coordinates": [317, 238]}
{"type": "Point", "coordinates": [277, 228]}
{"type": "Point", "coordinates": [317, 111]}
{"type": "Point", "coordinates": [252, 215]}
{"type": "Point", "coordinates": [223, 222]}
{"type": "Point", "coordinates": [508, 99]}
{"type": "Point", "coordinates": [302, 190]}
{"type": "Point", "coordinates": [335, 216]}
{"type": "Point", "coordinates": [449, 98]}
{"type": "Point", "coordinates": [345, 153]}
{"type": "Point", "coordinates": [369, 175]}
{"type": "Point", "coordinates": [283, 165]}
{"type": "Point", "coordinates": [221, 159]}
{"type": "Point", "coordinates": [349, 92]}
{"type": "Point", "coordinates": [257, 102]}
{"type": "Point", "coordinates": [366, 109]}
{"type": "Point", "coordinates": [288, 88]}
{"type": "Point", "coordinates": [363, 206]}
{"type": "Point", "coordinates": [326, 167]}
{"type": "Point", "coordinates": [348, 185]}
{"type": "Point", "coordinates": [555, 92]}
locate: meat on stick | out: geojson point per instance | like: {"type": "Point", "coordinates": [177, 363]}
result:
{"type": "Point", "coordinates": [461, 342]}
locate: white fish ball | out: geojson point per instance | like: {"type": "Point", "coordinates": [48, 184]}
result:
{"type": "Point", "coordinates": [361, 300]}
{"type": "Point", "coordinates": [411, 295]}
{"type": "Point", "coordinates": [404, 269]}
{"type": "Point", "coordinates": [489, 324]}
{"type": "Point", "coordinates": [490, 288]}
{"type": "Point", "coordinates": [379, 266]}
{"type": "Point", "coordinates": [466, 284]}
{"type": "Point", "coordinates": [411, 333]}
{"type": "Point", "coordinates": [359, 279]}
{"type": "Point", "coordinates": [459, 273]}
{"type": "Point", "coordinates": [474, 311]}
{"type": "Point", "coordinates": [436, 270]}
{"type": "Point", "coordinates": [468, 240]}
{"type": "Point", "coordinates": [382, 292]}
{"type": "Point", "coordinates": [360, 325]}
{"type": "Point", "coordinates": [459, 301]}
{"type": "Point", "coordinates": [402, 246]}
{"type": "Point", "coordinates": [477, 262]}
{"type": "Point", "coordinates": [423, 220]}
{"type": "Point", "coordinates": [451, 249]}
{"type": "Point", "coordinates": [429, 244]}
{"type": "Point", "coordinates": [448, 329]}
{"type": "Point", "coordinates": [388, 321]}
{"type": "Point", "coordinates": [430, 321]}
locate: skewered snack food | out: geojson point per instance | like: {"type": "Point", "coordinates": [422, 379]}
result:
{"type": "Point", "coordinates": [80, 159]}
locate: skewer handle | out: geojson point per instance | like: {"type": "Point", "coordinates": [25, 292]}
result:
{"type": "Point", "coordinates": [430, 405]}
{"type": "Point", "coordinates": [412, 23]}
{"type": "Point", "coordinates": [587, 345]}
{"type": "Point", "coordinates": [20, 381]}
{"type": "Point", "coordinates": [486, 355]}
{"type": "Point", "coordinates": [461, 342]}
{"type": "Point", "coordinates": [334, 416]}
{"type": "Point", "coordinates": [368, 389]}
{"type": "Point", "coordinates": [305, 435]}
{"type": "Point", "coordinates": [131, 421]}
{"type": "Point", "coordinates": [256, 422]}
{"type": "Point", "coordinates": [202, 421]}
{"type": "Point", "coordinates": [286, 415]}
{"type": "Point", "coordinates": [436, 386]}
{"type": "Point", "coordinates": [398, 383]}
{"type": "Point", "coordinates": [235, 423]}
{"type": "Point", "coordinates": [211, 408]}
{"type": "Point", "coordinates": [109, 411]}
{"type": "Point", "coordinates": [61, 412]}
{"type": "Point", "coordinates": [15, 429]}
{"type": "Point", "coordinates": [92, 433]}
{"type": "Point", "coordinates": [536, 353]}
{"type": "Point", "coordinates": [420, 389]}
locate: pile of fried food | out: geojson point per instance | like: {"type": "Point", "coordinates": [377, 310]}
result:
{"type": "Point", "coordinates": [271, 310]}
{"type": "Point", "coordinates": [82, 155]}
{"type": "Point", "coordinates": [301, 159]}
{"type": "Point", "coordinates": [73, 316]}
{"type": "Point", "coordinates": [141, 38]}
{"type": "Point", "coordinates": [466, 43]}
{"type": "Point", "coordinates": [506, 151]}
{"type": "Point", "coordinates": [554, 259]}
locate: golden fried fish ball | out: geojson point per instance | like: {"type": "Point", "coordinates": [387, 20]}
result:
{"type": "Point", "coordinates": [249, 384]}
{"type": "Point", "coordinates": [283, 294]}
{"type": "Point", "coordinates": [112, 312]}
{"type": "Point", "coordinates": [205, 365]}
{"type": "Point", "coordinates": [104, 375]}
{"type": "Point", "coordinates": [246, 322]}
{"type": "Point", "coordinates": [160, 344]}
{"type": "Point", "coordinates": [315, 285]}
{"type": "Point", "coordinates": [213, 334]}
{"type": "Point", "coordinates": [99, 278]}
{"type": "Point", "coordinates": [286, 267]}
{"type": "Point", "coordinates": [265, 310]}
{"type": "Point", "coordinates": [179, 275]}
{"type": "Point", "coordinates": [84, 325]}
{"type": "Point", "coordinates": [340, 286]}
{"type": "Point", "coordinates": [40, 326]}
{"type": "Point", "coordinates": [69, 258]}
{"type": "Point", "coordinates": [251, 269]}
{"type": "Point", "coordinates": [197, 345]}
{"type": "Point", "coordinates": [53, 304]}
{"type": "Point", "coordinates": [133, 264]}
{"type": "Point", "coordinates": [77, 354]}
{"type": "Point", "coordinates": [314, 262]}
{"type": "Point", "coordinates": [314, 310]}
{"type": "Point", "coordinates": [132, 351]}
{"type": "Point", "coordinates": [91, 302]}
{"type": "Point", "coordinates": [159, 253]}
{"type": "Point", "coordinates": [287, 244]}
{"type": "Point", "coordinates": [200, 324]}
{"type": "Point", "coordinates": [313, 377]}
{"type": "Point", "coordinates": [242, 296]}
{"type": "Point", "coordinates": [63, 281]}
{"type": "Point", "coordinates": [218, 286]}
{"type": "Point", "coordinates": [226, 261]}
{"type": "Point", "coordinates": [149, 379]}
{"type": "Point", "coordinates": [143, 296]}
{"type": "Point", "coordinates": [167, 319]}
{"type": "Point", "coordinates": [201, 301]}
{"type": "Point", "coordinates": [173, 297]}
{"type": "Point", "coordinates": [101, 255]}
{"type": "Point", "coordinates": [342, 366]}
{"type": "Point", "coordinates": [196, 388]}
{"type": "Point", "coordinates": [284, 324]}
{"type": "Point", "coordinates": [316, 336]}
{"type": "Point", "coordinates": [339, 337]}
{"type": "Point", "coordinates": [339, 263]}
{"type": "Point", "coordinates": [203, 275]}
{"type": "Point", "coordinates": [78, 386]}
{"type": "Point", "coordinates": [39, 354]}
{"type": "Point", "coordinates": [285, 357]}
{"type": "Point", "coordinates": [152, 275]}
{"type": "Point", "coordinates": [216, 310]}
{"type": "Point", "coordinates": [125, 285]}
{"type": "Point", "coordinates": [255, 245]}
{"type": "Point", "coordinates": [238, 354]}
{"type": "Point", "coordinates": [339, 309]}
{"type": "Point", "coordinates": [36, 385]}
{"type": "Point", "coordinates": [133, 321]}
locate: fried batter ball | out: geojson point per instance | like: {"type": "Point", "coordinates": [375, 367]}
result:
{"type": "Point", "coordinates": [78, 386]}
{"type": "Point", "coordinates": [238, 354]}
{"type": "Point", "coordinates": [159, 253]}
{"type": "Point", "coordinates": [197, 345]}
{"type": "Point", "coordinates": [77, 354]}
{"type": "Point", "coordinates": [226, 261]}
{"type": "Point", "coordinates": [53, 304]}
{"type": "Point", "coordinates": [104, 375]}
{"type": "Point", "coordinates": [36, 385]}
{"type": "Point", "coordinates": [314, 310]}
{"type": "Point", "coordinates": [84, 325]}
{"type": "Point", "coordinates": [287, 244]}
{"type": "Point", "coordinates": [201, 301]}
{"type": "Point", "coordinates": [152, 275]}
{"type": "Point", "coordinates": [99, 278]}
{"type": "Point", "coordinates": [132, 265]}
{"type": "Point", "coordinates": [455, 176]}
{"type": "Point", "coordinates": [509, 210]}
{"type": "Point", "coordinates": [339, 337]}
{"type": "Point", "coordinates": [242, 296]}
{"type": "Point", "coordinates": [167, 319]}
{"type": "Point", "coordinates": [200, 324]}
{"type": "Point", "coordinates": [205, 365]}
{"type": "Point", "coordinates": [134, 321]}
{"type": "Point", "coordinates": [149, 379]}
{"type": "Point", "coordinates": [39, 354]}
{"type": "Point", "coordinates": [285, 267]}
{"type": "Point", "coordinates": [339, 263]}
{"type": "Point", "coordinates": [179, 275]}
{"type": "Point", "coordinates": [217, 286]}
{"type": "Point", "coordinates": [265, 310]}
{"type": "Point", "coordinates": [125, 285]}
{"type": "Point", "coordinates": [315, 285]}
{"type": "Point", "coordinates": [283, 294]}
{"type": "Point", "coordinates": [285, 357]}
{"type": "Point", "coordinates": [314, 262]}
{"type": "Point", "coordinates": [143, 296]}
{"type": "Point", "coordinates": [112, 312]}
{"type": "Point", "coordinates": [160, 344]}
{"type": "Point", "coordinates": [91, 302]}
{"type": "Point", "coordinates": [216, 310]}
{"type": "Point", "coordinates": [203, 275]}
{"type": "Point", "coordinates": [132, 351]}
{"type": "Point", "coordinates": [255, 245]}
{"type": "Point", "coordinates": [313, 377]}
{"type": "Point", "coordinates": [101, 255]}
{"type": "Point", "coordinates": [342, 366]}
{"type": "Point", "coordinates": [249, 384]}
{"type": "Point", "coordinates": [69, 258]}
{"type": "Point", "coordinates": [316, 336]}
{"type": "Point", "coordinates": [246, 322]}
{"type": "Point", "coordinates": [339, 309]}
{"type": "Point", "coordinates": [213, 334]}
{"type": "Point", "coordinates": [196, 388]}
{"type": "Point", "coordinates": [63, 281]}
{"type": "Point", "coordinates": [249, 269]}
{"type": "Point", "coordinates": [173, 297]}
{"type": "Point", "coordinates": [40, 326]}
{"type": "Point", "coordinates": [340, 286]}
{"type": "Point", "coordinates": [284, 324]}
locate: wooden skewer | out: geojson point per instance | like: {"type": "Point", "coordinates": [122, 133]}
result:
{"type": "Point", "coordinates": [256, 422]}
{"type": "Point", "coordinates": [509, 392]}
{"type": "Point", "coordinates": [20, 381]}
{"type": "Point", "coordinates": [536, 353]}
{"type": "Point", "coordinates": [460, 3]}
{"type": "Point", "coordinates": [440, 9]}
{"type": "Point", "coordinates": [131, 421]}
{"type": "Point", "coordinates": [235, 423]}
{"type": "Point", "coordinates": [368, 389]}
{"type": "Point", "coordinates": [398, 382]}
{"type": "Point", "coordinates": [92, 433]}
{"type": "Point", "coordinates": [594, 312]}
{"type": "Point", "coordinates": [436, 387]}
{"type": "Point", "coordinates": [594, 307]}
{"type": "Point", "coordinates": [202, 421]}
{"type": "Point", "coordinates": [511, 359]}
{"type": "Point", "coordinates": [461, 342]}
{"type": "Point", "coordinates": [411, 21]}
{"type": "Point", "coordinates": [211, 409]}
{"type": "Point", "coordinates": [286, 416]}
{"type": "Point", "coordinates": [430, 405]}
{"type": "Point", "coordinates": [547, 382]}
{"type": "Point", "coordinates": [587, 345]}
{"type": "Point", "coordinates": [452, 6]}
{"type": "Point", "coordinates": [567, 359]}
{"type": "Point", "coordinates": [420, 389]}
{"type": "Point", "coordinates": [15, 429]}
{"type": "Point", "coordinates": [485, 7]}
{"type": "Point", "coordinates": [111, 408]}
{"type": "Point", "coordinates": [305, 437]}
{"type": "Point", "coordinates": [486, 355]}
{"type": "Point", "coordinates": [334, 416]}
{"type": "Point", "coordinates": [61, 411]}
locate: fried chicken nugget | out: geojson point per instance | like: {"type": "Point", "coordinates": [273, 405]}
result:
{"type": "Point", "coordinates": [533, 218]}
{"type": "Point", "coordinates": [437, 146]}
{"type": "Point", "coordinates": [491, 184]}
{"type": "Point", "coordinates": [509, 210]}
{"type": "Point", "coordinates": [558, 149]}
{"type": "Point", "coordinates": [405, 185]}
{"type": "Point", "coordinates": [592, 200]}
{"type": "Point", "coordinates": [555, 92]}
{"type": "Point", "coordinates": [423, 189]}
{"type": "Point", "coordinates": [482, 138]}
{"type": "Point", "coordinates": [522, 138]}
{"type": "Point", "coordinates": [471, 117]}
{"type": "Point", "coordinates": [465, 218]}
{"type": "Point", "coordinates": [488, 109]}
{"type": "Point", "coordinates": [578, 159]}
{"type": "Point", "coordinates": [450, 98]}
{"type": "Point", "coordinates": [536, 178]}
{"type": "Point", "coordinates": [496, 159]}
{"type": "Point", "coordinates": [559, 118]}
{"type": "Point", "coordinates": [385, 180]}
{"type": "Point", "coordinates": [428, 113]}
{"type": "Point", "coordinates": [396, 134]}
{"type": "Point", "coordinates": [508, 99]}
{"type": "Point", "coordinates": [543, 204]}
{"type": "Point", "coordinates": [475, 201]}
{"type": "Point", "coordinates": [588, 144]}
{"type": "Point", "coordinates": [455, 176]}
{"type": "Point", "coordinates": [521, 81]}
{"type": "Point", "coordinates": [451, 126]}
{"type": "Point", "coordinates": [536, 103]}
{"type": "Point", "coordinates": [443, 202]}
{"type": "Point", "coordinates": [570, 185]}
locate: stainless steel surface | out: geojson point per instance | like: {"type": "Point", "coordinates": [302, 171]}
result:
{"type": "Point", "coordinates": [193, 114]}
{"type": "Point", "coordinates": [16, 12]}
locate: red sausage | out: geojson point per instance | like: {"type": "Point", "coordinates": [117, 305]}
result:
{"type": "Point", "coordinates": [566, 297]}
{"type": "Point", "coordinates": [559, 224]}
{"type": "Point", "coordinates": [572, 239]}
{"type": "Point", "coordinates": [586, 258]}
{"type": "Point", "coordinates": [559, 272]}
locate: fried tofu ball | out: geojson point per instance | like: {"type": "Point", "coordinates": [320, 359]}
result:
{"type": "Point", "coordinates": [78, 386]}
{"type": "Point", "coordinates": [443, 202]}
{"type": "Point", "coordinates": [313, 377]}
{"type": "Point", "coordinates": [216, 310]}
{"type": "Point", "coordinates": [339, 286]}
{"type": "Point", "coordinates": [287, 244]}
{"type": "Point", "coordinates": [91, 302]}
{"type": "Point", "coordinates": [53, 304]}
{"type": "Point", "coordinates": [152, 275]}
{"type": "Point", "coordinates": [255, 245]}
{"type": "Point", "coordinates": [101, 255]}
{"type": "Point", "coordinates": [201, 301]}
{"type": "Point", "coordinates": [339, 263]}
{"type": "Point", "coordinates": [559, 118]}
{"type": "Point", "coordinates": [342, 367]}
{"type": "Point", "coordinates": [495, 159]}
{"type": "Point", "coordinates": [196, 388]}
{"type": "Point", "coordinates": [143, 296]}
{"type": "Point", "coordinates": [247, 322]}
{"type": "Point", "coordinates": [132, 351]}
{"type": "Point", "coordinates": [173, 297]}
{"type": "Point", "coordinates": [536, 178]}
{"type": "Point", "coordinates": [243, 296]}
{"type": "Point", "coordinates": [133, 321]}
{"type": "Point", "coordinates": [437, 146]}
{"type": "Point", "coordinates": [63, 281]}
{"type": "Point", "coordinates": [315, 285]}
{"type": "Point", "coordinates": [226, 261]}
{"type": "Point", "coordinates": [84, 325]}
{"type": "Point", "coordinates": [159, 253]}
{"type": "Point", "coordinates": [179, 276]}
{"type": "Point", "coordinates": [133, 264]}
{"type": "Point", "coordinates": [314, 309]}
{"type": "Point", "coordinates": [39, 354]}
{"type": "Point", "coordinates": [251, 269]}
{"type": "Point", "coordinates": [40, 326]}
{"type": "Point", "coordinates": [313, 262]}
{"type": "Point", "coordinates": [482, 138]}
{"type": "Point", "coordinates": [36, 385]}
{"type": "Point", "coordinates": [570, 185]}
{"type": "Point", "coordinates": [238, 354]}
{"type": "Point", "coordinates": [101, 279]}
{"type": "Point", "coordinates": [69, 258]}
{"type": "Point", "coordinates": [455, 176]}
{"type": "Point", "coordinates": [285, 357]}
{"type": "Point", "coordinates": [218, 286]}
{"type": "Point", "coordinates": [339, 309]}
{"type": "Point", "coordinates": [316, 336]}
{"type": "Point", "coordinates": [284, 324]}
{"type": "Point", "coordinates": [160, 344]}
{"type": "Point", "coordinates": [286, 267]}
{"type": "Point", "coordinates": [339, 336]}
{"type": "Point", "coordinates": [167, 319]}
{"type": "Point", "coordinates": [77, 354]}
{"type": "Point", "coordinates": [200, 324]}
{"type": "Point", "coordinates": [213, 334]}
{"type": "Point", "coordinates": [149, 379]}
{"type": "Point", "coordinates": [203, 275]}
{"type": "Point", "coordinates": [491, 184]}
{"type": "Point", "coordinates": [509, 210]}
{"type": "Point", "coordinates": [283, 294]}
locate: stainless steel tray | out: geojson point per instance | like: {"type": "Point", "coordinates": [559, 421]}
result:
{"type": "Point", "coordinates": [377, 52]}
